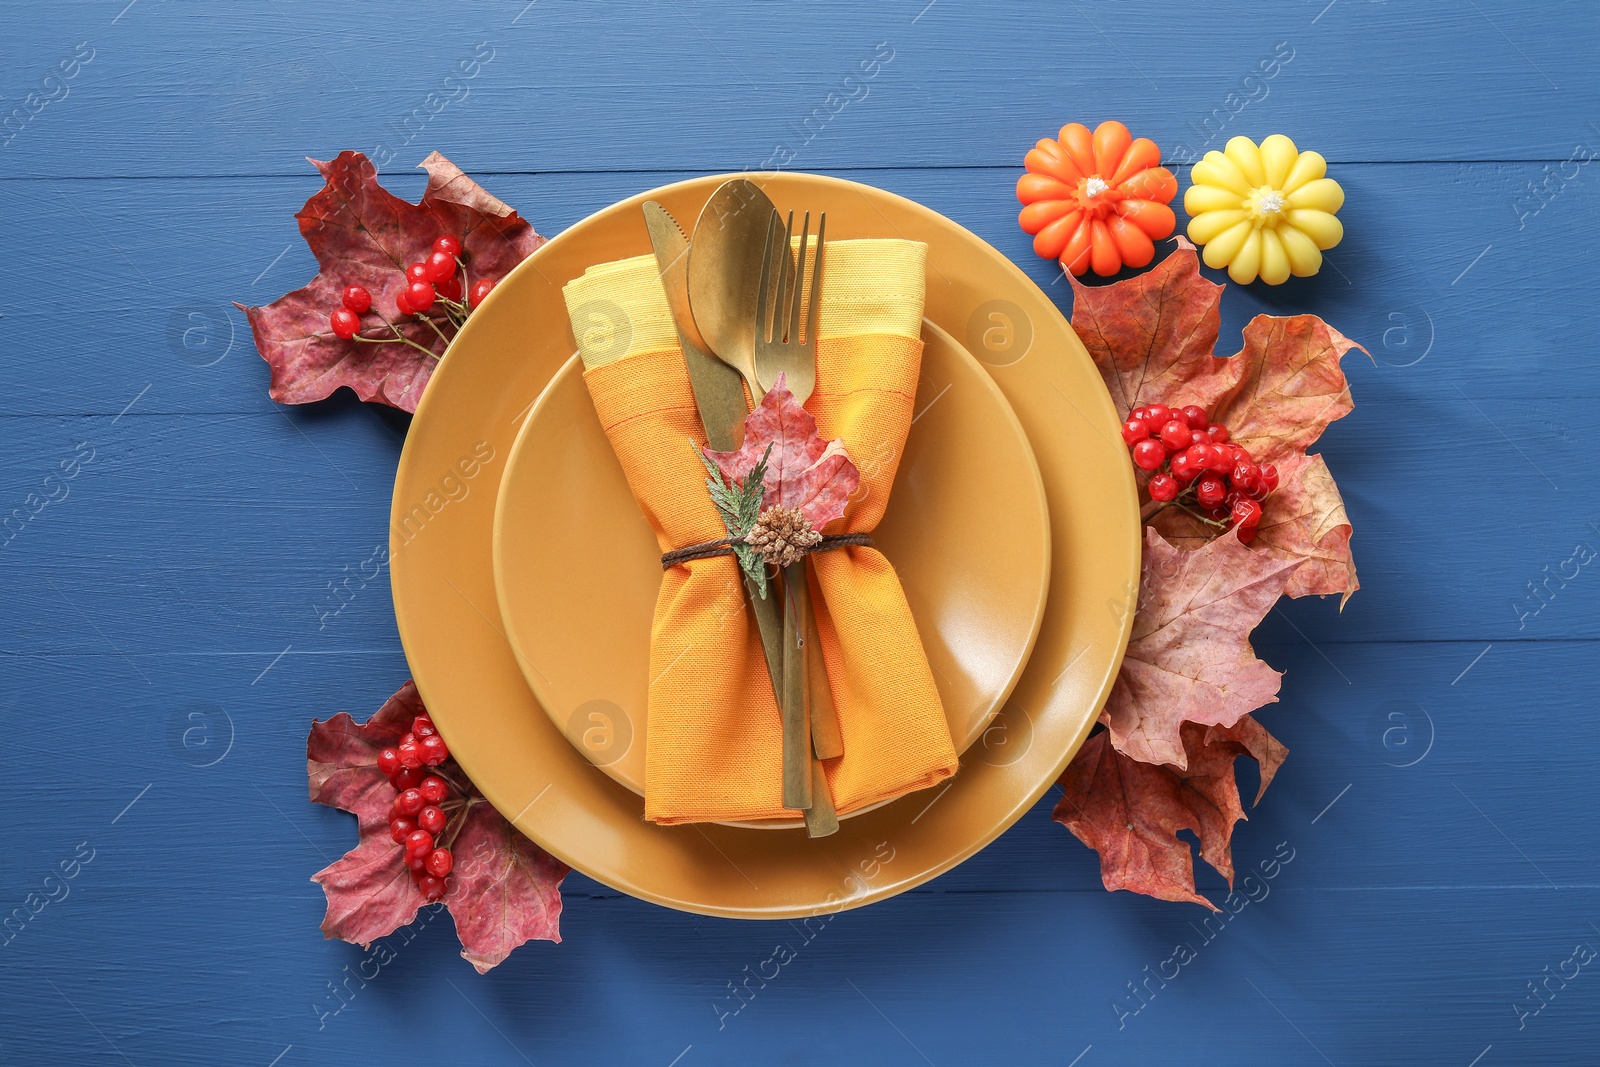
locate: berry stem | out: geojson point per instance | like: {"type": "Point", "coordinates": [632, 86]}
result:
{"type": "Point", "coordinates": [429, 320]}
{"type": "Point", "coordinates": [459, 820]}
{"type": "Point", "coordinates": [398, 336]}
{"type": "Point", "coordinates": [462, 790]}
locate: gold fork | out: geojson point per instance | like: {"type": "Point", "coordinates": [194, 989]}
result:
{"type": "Point", "coordinates": [782, 348]}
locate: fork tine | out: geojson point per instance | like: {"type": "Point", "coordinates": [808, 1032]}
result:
{"type": "Point", "coordinates": [814, 312]}
{"type": "Point", "coordinates": [793, 336]}
{"type": "Point", "coordinates": [780, 310]}
{"type": "Point", "coordinates": [763, 318]}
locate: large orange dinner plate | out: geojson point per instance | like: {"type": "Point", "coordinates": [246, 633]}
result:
{"type": "Point", "coordinates": [468, 673]}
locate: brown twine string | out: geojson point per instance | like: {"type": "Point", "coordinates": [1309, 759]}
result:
{"type": "Point", "coordinates": [724, 547]}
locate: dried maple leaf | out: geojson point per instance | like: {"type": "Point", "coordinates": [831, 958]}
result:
{"type": "Point", "coordinates": [803, 472]}
{"type": "Point", "coordinates": [1130, 812]}
{"type": "Point", "coordinates": [1153, 337]}
{"type": "Point", "coordinates": [1189, 659]}
{"type": "Point", "coordinates": [1304, 520]}
{"type": "Point", "coordinates": [504, 889]}
{"type": "Point", "coordinates": [364, 235]}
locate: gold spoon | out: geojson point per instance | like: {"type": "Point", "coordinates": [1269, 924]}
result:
{"type": "Point", "coordinates": [725, 274]}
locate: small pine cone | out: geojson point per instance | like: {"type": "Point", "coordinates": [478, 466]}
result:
{"type": "Point", "coordinates": [782, 536]}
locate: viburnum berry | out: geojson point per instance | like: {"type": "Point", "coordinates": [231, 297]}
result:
{"type": "Point", "coordinates": [419, 841]}
{"type": "Point", "coordinates": [420, 295]}
{"type": "Point", "coordinates": [1194, 465]}
{"type": "Point", "coordinates": [417, 861]}
{"type": "Point", "coordinates": [480, 289]}
{"type": "Point", "coordinates": [410, 755]}
{"type": "Point", "coordinates": [431, 885]}
{"type": "Point", "coordinates": [417, 272]}
{"type": "Point", "coordinates": [388, 762]}
{"type": "Point", "coordinates": [430, 819]}
{"type": "Point", "coordinates": [434, 750]}
{"type": "Point", "coordinates": [402, 305]}
{"type": "Point", "coordinates": [1148, 455]}
{"type": "Point", "coordinates": [406, 778]}
{"type": "Point", "coordinates": [449, 288]}
{"type": "Point", "coordinates": [410, 802]}
{"type": "Point", "coordinates": [357, 299]}
{"type": "Point", "coordinates": [448, 245]}
{"type": "Point", "coordinates": [422, 726]}
{"type": "Point", "coordinates": [439, 266]}
{"type": "Point", "coordinates": [400, 829]}
{"type": "Point", "coordinates": [440, 862]}
{"type": "Point", "coordinates": [1175, 434]}
{"type": "Point", "coordinates": [345, 323]}
{"type": "Point", "coordinates": [433, 789]}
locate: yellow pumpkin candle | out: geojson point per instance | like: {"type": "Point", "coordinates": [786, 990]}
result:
{"type": "Point", "coordinates": [1264, 212]}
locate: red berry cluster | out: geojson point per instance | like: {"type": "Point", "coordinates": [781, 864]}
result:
{"type": "Point", "coordinates": [1190, 460]}
{"type": "Point", "coordinates": [434, 282]}
{"type": "Point", "coordinates": [423, 807]}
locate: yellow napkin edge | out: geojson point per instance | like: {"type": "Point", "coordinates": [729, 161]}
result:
{"type": "Point", "coordinates": [870, 285]}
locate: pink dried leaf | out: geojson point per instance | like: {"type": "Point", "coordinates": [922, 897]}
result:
{"type": "Point", "coordinates": [804, 472]}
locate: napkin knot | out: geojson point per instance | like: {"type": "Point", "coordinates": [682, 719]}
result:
{"type": "Point", "coordinates": [724, 547]}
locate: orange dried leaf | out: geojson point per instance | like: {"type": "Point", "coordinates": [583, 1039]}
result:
{"type": "Point", "coordinates": [1130, 812]}
{"type": "Point", "coordinates": [1154, 337]}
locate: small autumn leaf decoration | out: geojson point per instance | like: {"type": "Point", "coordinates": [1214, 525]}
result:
{"type": "Point", "coordinates": [396, 281]}
{"type": "Point", "coordinates": [783, 485]}
{"type": "Point", "coordinates": [501, 888]}
{"type": "Point", "coordinates": [1222, 545]}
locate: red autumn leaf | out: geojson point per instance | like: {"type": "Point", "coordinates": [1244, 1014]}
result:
{"type": "Point", "coordinates": [1130, 812]}
{"type": "Point", "coordinates": [1189, 659]}
{"type": "Point", "coordinates": [503, 891]}
{"type": "Point", "coordinates": [1303, 520]}
{"type": "Point", "coordinates": [364, 235]}
{"type": "Point", "coordinates": [803, 471]}
{"type": "Point", "coordinates": [1153, 337]}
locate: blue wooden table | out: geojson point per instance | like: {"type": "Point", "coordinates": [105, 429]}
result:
{"type": "Point", "coordinates": [169, 629]}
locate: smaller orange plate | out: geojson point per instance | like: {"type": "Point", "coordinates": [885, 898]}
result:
{"type": "Point", "coordinates": [577, 567]}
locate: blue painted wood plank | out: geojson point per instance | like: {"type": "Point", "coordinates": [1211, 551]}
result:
{"type": "Point", "coordinates": [1394, 923]}
{"type": "Point", "coordinates": [253, 531]}
{"type": "Point", "coordinates": [252, 87]}
{"type": "Point", "coordinates": [1436, 294]}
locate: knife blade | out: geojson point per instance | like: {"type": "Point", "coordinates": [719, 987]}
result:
{"type": "Point", "coordinates": [718, 389]}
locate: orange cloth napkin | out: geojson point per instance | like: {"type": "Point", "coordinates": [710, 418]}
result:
{"type": "Point", "coordinates": [714, 739]}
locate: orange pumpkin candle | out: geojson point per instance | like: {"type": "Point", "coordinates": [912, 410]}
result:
{"type": "Point", "coordinates": [1096, 200]}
